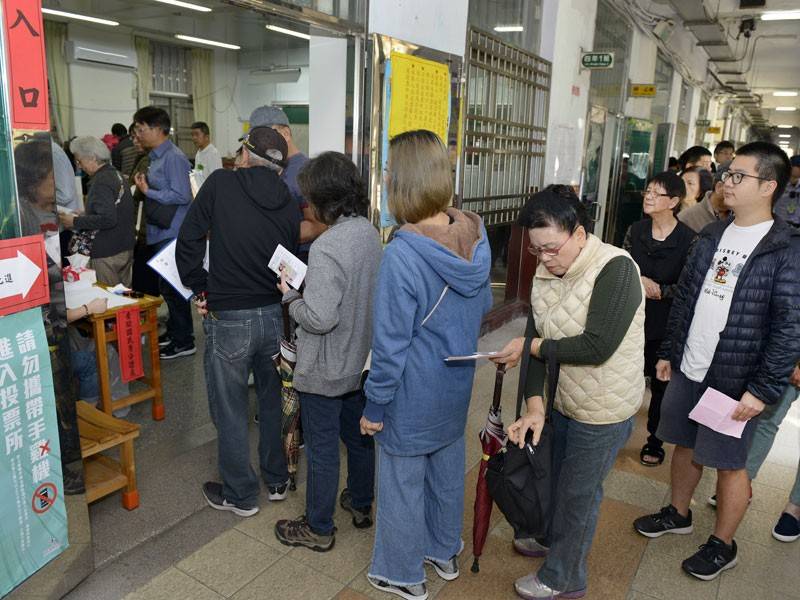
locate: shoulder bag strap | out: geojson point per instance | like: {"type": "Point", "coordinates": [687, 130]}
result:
{"type": "Point", "coordinates": [523, 374]}
{"type": "Point", "coordinates": [552, 380]}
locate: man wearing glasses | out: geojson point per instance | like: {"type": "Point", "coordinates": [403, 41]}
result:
{"type": "Point", "coordinates": [788, 206]}
{"type": "Point", "coordinates": [734, 327]}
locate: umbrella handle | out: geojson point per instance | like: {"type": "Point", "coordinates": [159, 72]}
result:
{"type": "Point", "coordinates": [498, 386]}
{"type": "Point", "coordinates": [287, 326]}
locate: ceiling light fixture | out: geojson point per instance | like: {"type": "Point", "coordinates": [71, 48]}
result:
{"type": "Point", "coordinates": [77, 17]}
{"type": "Point", "coordinates": [509, 28]}
{"type": "Point", "coordinates": [784, 135]}
{"type": "Point", "coordinates": [786, 108]}
{"type": "Point", "coordinates": [196, 40]}
{"type": "Point", "coordinates": [784, 93]}
{"type": "Point", "coordinates": [780, 15]}
{"type": "Point", "coordinates": [291, 32]}
{"type": "Point", "coordinates": [784, 126]}
{"type": "Point", "coordinates": [188, 5]}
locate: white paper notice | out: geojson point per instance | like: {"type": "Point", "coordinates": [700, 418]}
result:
{"type": "Point", "coordinates": [164, 264]}
{"type": "Point", "coordinates": [77, 296]}
{"type": "Point", "coordinates": [294, 267]}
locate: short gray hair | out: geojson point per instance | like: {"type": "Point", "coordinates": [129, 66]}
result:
{"type": "Point", "coordinates": [254, 160]}
{"type": "Point", "coordinates": [88, 146]}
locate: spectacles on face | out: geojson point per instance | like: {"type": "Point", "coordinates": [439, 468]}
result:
{"type": "Point", "coordinates": [549, 251]}
{"type": "Point", "coordinates": [737, 176]}
{"type": "Point", "coordinates": [140, 129]}
{"type": "Point", "coordinates": [653, 194]}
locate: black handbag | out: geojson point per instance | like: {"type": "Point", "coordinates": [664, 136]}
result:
{"type": "Point", "coordinates": [520, 479]}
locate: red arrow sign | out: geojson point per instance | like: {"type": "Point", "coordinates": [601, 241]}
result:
{"type": "Point", "coordinates": [23, 274]}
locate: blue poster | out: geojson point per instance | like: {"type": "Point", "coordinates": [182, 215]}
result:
{"type": "Point", "coordinates": [33, 516]}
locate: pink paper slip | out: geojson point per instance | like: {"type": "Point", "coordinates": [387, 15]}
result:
{"type": "Point", "coordinates": [714, 410]}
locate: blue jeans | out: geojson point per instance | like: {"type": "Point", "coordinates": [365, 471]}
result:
{"type": "Point", "coordinates": [179, 321]}
{"type": "Point", "coordinates": [420, 512]}
{"type": "Point", "coordinates": [583, 455]}
{"type": "Point", "coordinates": [325, 420]}
{"type": "Point", "coordinates": [764, 435]}
{"type": "Point", "coordinates": [236, 342]}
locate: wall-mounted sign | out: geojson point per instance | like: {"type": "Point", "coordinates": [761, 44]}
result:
{"type": "Point", "coordinates": [597, 60]}
{"type": "Point", "coordinates": [23, 274]}
{"type": "Point", "coordinates": [714, 130]}
{"type": "Point", "coordinates": [27, 82]}
{"type": "Point", "coordinates": [643, 90]}
{"type": "Point", "coordinates": [702, 122]}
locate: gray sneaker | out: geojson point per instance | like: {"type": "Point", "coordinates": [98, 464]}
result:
{"type": "Point", "coordinates": [362, 517]}
{"type": "Point", "coordinates": [409, 592]}
{"type": "Point", "coordinates": [530, 547]}
{"type": "Point", "coordinates": [447, 570]}
{"type": "Point", "coordinates": [212, 492]}
{"type": "Point", "coordinates": [530, 588]}
{"type": "Point", "coordinates": [298, 532]}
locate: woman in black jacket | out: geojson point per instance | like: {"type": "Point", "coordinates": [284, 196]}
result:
{"type": "Point", "coordinates": [109, 213]}
{"type": "Point", "coordinates": [659, 244]}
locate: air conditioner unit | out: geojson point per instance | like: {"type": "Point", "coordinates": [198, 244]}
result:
{"type": "Point", "coordinates": [76, 52]}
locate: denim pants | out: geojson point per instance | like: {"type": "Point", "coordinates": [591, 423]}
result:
{"type": "Point", "coordinates": [179, 320]}
{"type": "Point", "coordinates": [236, 342]}
{"type": "Point", "coordinates": [764, 435]}
{"type": "Point", "coordinates": [583, 455]}
{"type": "Point", "coordinates": [325, 420]}
{"type": "Point", "coordinates": [420, 512]}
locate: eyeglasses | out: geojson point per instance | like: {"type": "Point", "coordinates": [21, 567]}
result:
{"type": "Point", "coordinates": [736, 177]}
{"type": "Point", "coordinates": [549, 251]}
{"type": "Point", "coordinates": [140, 129]}
{"type": "Point", "coordinates": [646, 193]}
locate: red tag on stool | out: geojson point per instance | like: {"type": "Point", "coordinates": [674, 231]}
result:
{"type": "Point", "coordinates": [129, 340]}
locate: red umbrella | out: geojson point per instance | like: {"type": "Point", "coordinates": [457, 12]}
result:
{"type": "Point", "coordinates": [493, 438]}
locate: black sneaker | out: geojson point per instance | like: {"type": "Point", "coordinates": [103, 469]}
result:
{"type": "Point", "coordinates": [713, 557]}
{"type": "Point", "coordinates": [164, 340]}
{"type": "Point", "coordinates": [667, 520]}
{"type": "Point", "coordinates": [409, 592]}
{"type": "Point", "coordinates": [278, 492]}
{"type": "Point", "coordinates": [298, 532]}
{"type": "Point", "coordinates": [212, 491]}
{"type": "Point", "coordinates": [362, 517]}
{"type": "Point", "coordinates": [787, 529]}
{"type": "Point", "coordinates": [173, 351]}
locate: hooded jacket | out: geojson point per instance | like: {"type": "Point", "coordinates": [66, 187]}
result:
{"type": "Point", "coordinates": [429, 305]}
{"type": "Point", "coordinates": [247, 213]}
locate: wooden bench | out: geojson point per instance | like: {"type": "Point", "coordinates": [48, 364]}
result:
{"type": "Point", "coordinates": [104, 475]}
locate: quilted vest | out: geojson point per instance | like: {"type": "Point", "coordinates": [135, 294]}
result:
{"type": "Point", "coordinates": [597, 394]}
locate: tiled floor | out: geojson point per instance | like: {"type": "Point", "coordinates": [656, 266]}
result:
{"type": "Point", "coordinates": [205, 554]}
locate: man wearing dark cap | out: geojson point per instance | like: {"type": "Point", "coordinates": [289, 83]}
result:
{"type": "Point", "coordinates": [310, 227]}
{"type": "Point", "coordinates": [245, 214]}
{"type": "Point", "coordinates": [711, 208]}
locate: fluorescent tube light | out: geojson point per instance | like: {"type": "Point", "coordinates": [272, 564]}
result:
{"type": "Point", "coordinates": [508, 28]}
{"type": "Point", "coordinates": [784, 93]}
{"type": "Point", "coordinates": [291, 32]}
{"type": "Point", "coordinates": [188, 5]}
{"type": "Point", "coordinates": [780, 15]}
{"type": "Point", "coordinates": [784, 135]}
{"type": "Point", "coordinates": [784, 126]}
{"type": "Point", "coordinates": [196, 40]}
{"type": "Point", "coordinates": [77, 17]}
{"type": "Point", "coordinates": [786, 108]}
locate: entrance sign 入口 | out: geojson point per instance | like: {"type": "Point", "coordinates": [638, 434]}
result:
{"type": "Point", "coordinates": [33, 518]}
{"type": "Point", "coordinates": [23, 274]}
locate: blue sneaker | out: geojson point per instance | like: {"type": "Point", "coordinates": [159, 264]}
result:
{"type": "Point", "coordinates": [787, 529]}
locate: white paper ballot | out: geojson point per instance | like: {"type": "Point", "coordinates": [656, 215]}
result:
{"type": "Point", "coordinates": [77, 296]}
{"type": "Point", "coordinates": [294, 267]}
{"type": "Point", "coordinates": [164, 264]}
{"type": "Point", "coordinates": [475, 356]}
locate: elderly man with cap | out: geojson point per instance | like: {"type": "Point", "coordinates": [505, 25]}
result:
{"type": "Point", "coordinates": [711, 208]}
{"type": "Point", "coordinates": [310, 227]}
{"type": "Point", "coordinates": [245, 214]}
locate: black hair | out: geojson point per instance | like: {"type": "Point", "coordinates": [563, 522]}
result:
{"type": "Point", "coordinates": [155, 117]}
{"type": "Point", "coordinates": [673, 162]}
{"type": "Point", "coordinates": [119, 130]}
{"type": "Point", "coordinates": [202, 127]}
{"type": "Point", "coordinates": [554, 206]}
{"type": "Point", "coordinates": [692, 155]}
{"type": "Point", "coordinates": [34, 163]}
{"type": "Point", "coordinates": [724, 145]}
{"type": "Point", "coordinates": [334, 187]}
{"type": "Point", "coordinates": [772, 164]}
{"type": "Point", "coordinates": [671, 182]}
{"type": "Point", "coordinates": [131, 127]}
{"type": "Point", "coordinates": [704, 178]}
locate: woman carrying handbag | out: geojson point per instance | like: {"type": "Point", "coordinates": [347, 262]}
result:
{"type": "Point", "coordinates": [587, 314]}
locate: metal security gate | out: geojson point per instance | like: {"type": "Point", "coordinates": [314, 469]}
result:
{"type": "Point", "coordinates": [506, 104]}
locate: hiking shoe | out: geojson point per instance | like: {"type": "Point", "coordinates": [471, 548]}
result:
{"type": "Point", "coordinates": [528, 546]}
{"type": "Point", "coordinates": [713, 557]}
{"type": "Point", "coordinates": [362, 517]}
{"type": "Point", "coordinates": [278, 492]}
{"type": "Point", "coordinates": [164, 340]}
{"type": "Point", "coordinates": [667, 520]}
{"type": "Point", "coordinates": [409, 592]}
{"type": "Point", "coordinates": [298, 532]}
{"type": "Point", "coordinates": [787, 529]}
{"type": "Point", "coordinates": [173, 351]}
{"type": "Point", "coordinates": [530, 588]}
{"type": "Point", "coordinates": [447, 570]}
{"type": "Point", "coordinates": [212, 491]}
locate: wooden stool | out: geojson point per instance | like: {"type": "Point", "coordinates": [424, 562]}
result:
{"type": "Point", "coordinates": [104, 475]}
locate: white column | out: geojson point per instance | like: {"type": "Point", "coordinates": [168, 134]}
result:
{"type": "Point", "coordinates": [674, 109]}
{"type": "Point", "coordinates": [327, 94]}
{"type": "Point", "coordinates": [642, 70]}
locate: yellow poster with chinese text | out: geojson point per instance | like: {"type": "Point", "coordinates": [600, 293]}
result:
{"type": "Point", "coordinates": [420, 93]}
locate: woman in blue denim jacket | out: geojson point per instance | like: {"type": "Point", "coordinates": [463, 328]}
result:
{"type": "Point", "coordinates": [433, 290]}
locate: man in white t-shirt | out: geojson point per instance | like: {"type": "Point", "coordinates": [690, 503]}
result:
{"type": "Point", "coordinates": [207, 160]}
{"type": "Point", "coordinates": [734, 327]}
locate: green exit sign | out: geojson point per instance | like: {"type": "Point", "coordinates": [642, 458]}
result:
{"type": "Point", "coordinates": [702, 123]}
{"type": "Point", "coordinates": [597, 60]}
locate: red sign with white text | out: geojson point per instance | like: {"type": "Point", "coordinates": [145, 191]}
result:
{"type": "Point", "coordinates": [27, 67]}
{"type": "Point", "coordinates": [129, 342]}
{"type": "Point", "coordinates": [23, 274]}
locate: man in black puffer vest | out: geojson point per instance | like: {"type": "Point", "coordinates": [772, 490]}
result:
{"type": "Point", "coordinates": [734, 327]}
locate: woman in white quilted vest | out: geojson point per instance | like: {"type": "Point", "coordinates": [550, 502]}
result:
{"type": "Point", "coordinates": [587, 314]}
